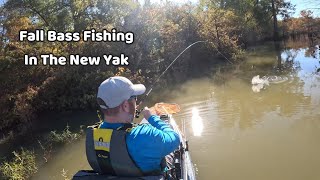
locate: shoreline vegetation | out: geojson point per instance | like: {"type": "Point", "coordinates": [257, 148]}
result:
{"type": "Point", "coordinates": [161, 32]}
{"type": "Point", "coordinates": [25, 162]}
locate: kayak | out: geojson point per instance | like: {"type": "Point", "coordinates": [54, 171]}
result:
{"type": "Point", "coordinates": [187, 168]}
{"type": "Point", "coordinates": [183, 166]}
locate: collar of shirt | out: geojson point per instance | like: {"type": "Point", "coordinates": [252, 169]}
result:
{"type": "Point", "coordinates": [105, 125]}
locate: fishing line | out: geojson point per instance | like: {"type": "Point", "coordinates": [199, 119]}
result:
{"type": "Point", "coordinates": [220, 52]}
{"type": "Point", "coordinates": [151, 87]}
{"type": "Point", "coordinates": [171, 65]}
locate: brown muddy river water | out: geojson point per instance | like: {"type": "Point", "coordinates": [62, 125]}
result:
{"type": "Point", "coordinates": [236, 132]}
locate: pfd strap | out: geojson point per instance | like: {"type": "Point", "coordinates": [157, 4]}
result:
{"type": "Point", "coordinates": [90, 151]}
{"type": "Point", "coordinates": [127, 127]}
{"type": "Point", "coordinates": [120, 159]}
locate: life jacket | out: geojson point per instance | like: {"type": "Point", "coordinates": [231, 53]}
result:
{"type": "Point", "coordinates": [107, 152]}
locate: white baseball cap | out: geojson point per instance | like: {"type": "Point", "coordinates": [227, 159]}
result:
{"type": "Point", "coordinates": [115, 90]}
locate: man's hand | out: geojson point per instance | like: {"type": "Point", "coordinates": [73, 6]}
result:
{"type": "Point", "coordinates": [147, 112]}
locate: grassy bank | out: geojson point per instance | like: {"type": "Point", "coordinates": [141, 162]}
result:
{"type": "Point", "coordinates": [25, 162]}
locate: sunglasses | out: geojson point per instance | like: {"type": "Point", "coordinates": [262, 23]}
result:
{"type": "Point", "coordinates": [134, 97]}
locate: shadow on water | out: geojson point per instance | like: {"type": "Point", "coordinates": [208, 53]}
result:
{"type": "Point", "coordinates": [45, 123]}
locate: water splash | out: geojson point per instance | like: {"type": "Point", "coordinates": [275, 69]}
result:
{"type": "Point", "coordinates": [257, 80]}
{"type": "Point", "coordinates": [260, 83]}
{"type": "Point", "coordinates": [197, 122]}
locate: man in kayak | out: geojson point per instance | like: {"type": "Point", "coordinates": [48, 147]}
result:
{"type": "Point", "coordinates": [146, 145]}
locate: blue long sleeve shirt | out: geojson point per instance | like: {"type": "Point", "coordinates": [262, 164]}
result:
{"type": "Point", "coordinates": [148, 143]}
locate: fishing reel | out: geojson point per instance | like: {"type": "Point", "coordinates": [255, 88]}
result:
{"type": "Point", "coordinates": [138, 113]}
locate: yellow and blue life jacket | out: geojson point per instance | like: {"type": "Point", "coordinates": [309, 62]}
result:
{"type": "Point", "coordinates": [107, 151]}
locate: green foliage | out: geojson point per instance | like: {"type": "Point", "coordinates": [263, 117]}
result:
{"type": "Point", "coordinates": [218, 26]}
{"type": "Point", "coordinates": [255, 18]}
{"type": "Point", "coordinates": [161, 31]}
{"type": "Point", "coordinates": [22, 166]}
{"type": "Point", "coordinates": [66, 136]}
{"type": "Point", "coordinates": [64, 174]}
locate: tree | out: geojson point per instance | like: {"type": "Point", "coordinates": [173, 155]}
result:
{"type": "Point", "coordinates": [220, 28]}
{"type": "Point", "coordinates": [280, 8]}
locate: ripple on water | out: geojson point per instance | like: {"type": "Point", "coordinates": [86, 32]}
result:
{"type": "Point", "coordinates": [278, 126]}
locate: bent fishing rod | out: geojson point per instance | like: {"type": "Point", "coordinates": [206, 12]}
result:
{"type": "Point", "coordinates": [157, 80]}
{"type": "Point", "coordinates": [151, 87]}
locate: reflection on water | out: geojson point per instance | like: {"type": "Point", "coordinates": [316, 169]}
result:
{"type": "Point", "coordinates": [273, 134]}
{"type": "Point", "coordinates": [197, 124]}
{"type": "Point", "coordinates": [244, 135]}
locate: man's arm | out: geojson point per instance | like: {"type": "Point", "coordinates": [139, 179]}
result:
{"type": "Point", "coordinates": [164, 136]}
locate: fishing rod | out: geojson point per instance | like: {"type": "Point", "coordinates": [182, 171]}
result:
{"type": "Point", "coordinates": [151, 87]}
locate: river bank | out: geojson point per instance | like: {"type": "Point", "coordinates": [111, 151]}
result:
{"type": "Point", "coordinates": [263, 60]}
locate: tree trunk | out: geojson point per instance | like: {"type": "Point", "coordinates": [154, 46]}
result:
{"type": "Point", "coordinates": [275, 22]}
